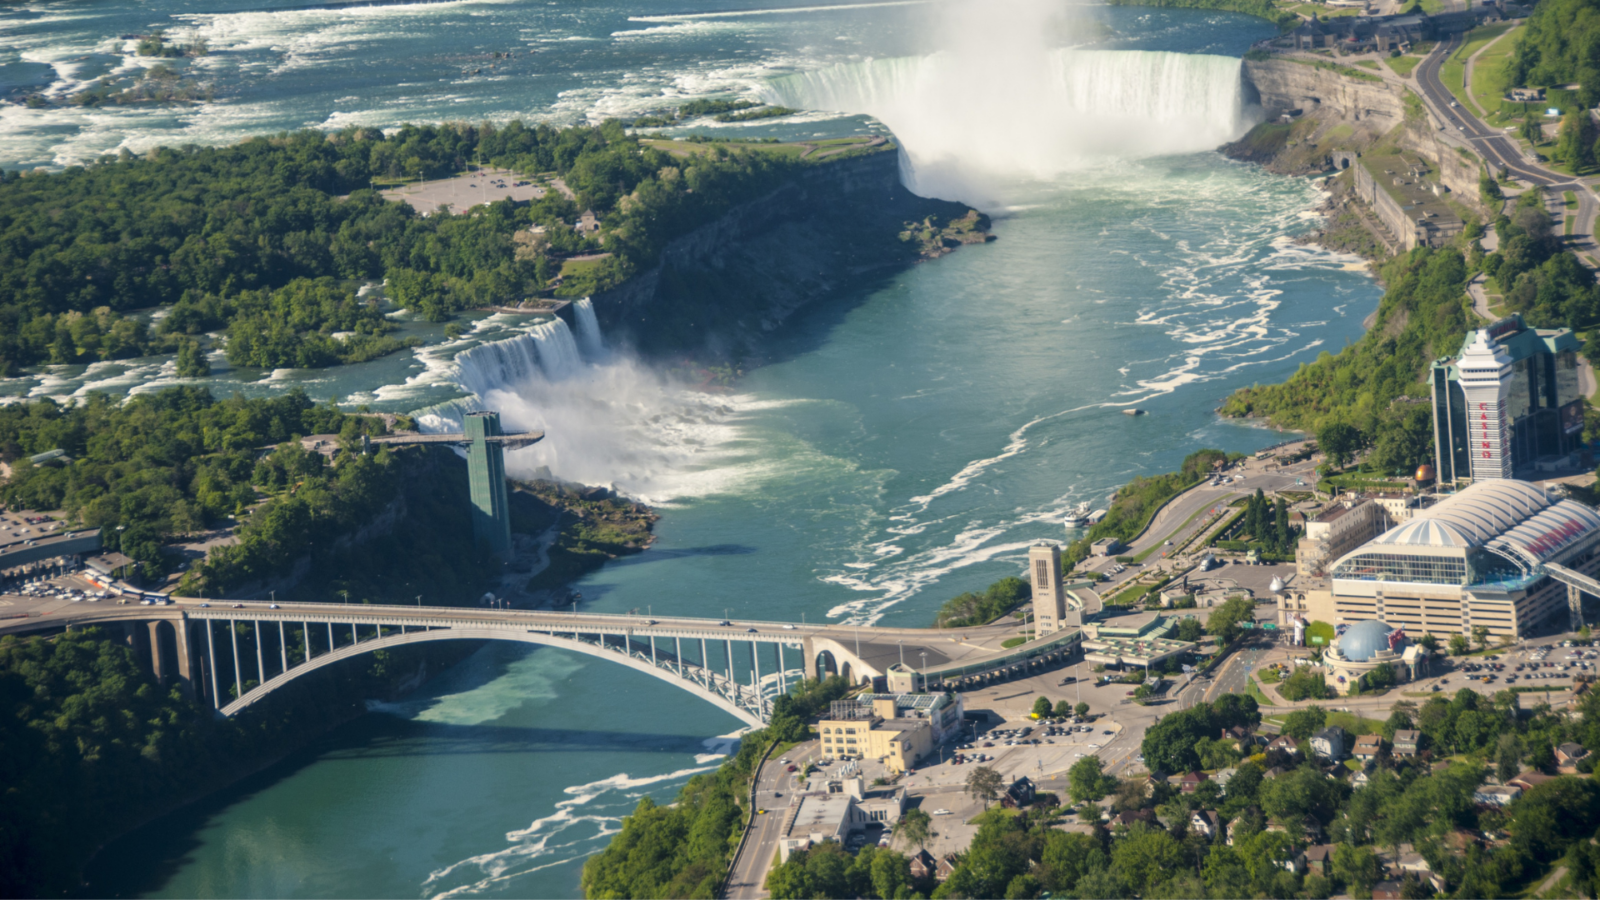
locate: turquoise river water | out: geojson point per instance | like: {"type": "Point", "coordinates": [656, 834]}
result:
{"type": "Point", "coordinates": [906, 445]}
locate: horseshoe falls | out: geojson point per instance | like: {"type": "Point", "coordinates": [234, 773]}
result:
{"type": "Point", "coordinates": [897, 444]}
{"type": "Point", "coordinates": [968, 126]}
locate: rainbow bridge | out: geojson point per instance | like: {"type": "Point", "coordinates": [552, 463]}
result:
{"type": "Point", "coordinates": [234, 654]}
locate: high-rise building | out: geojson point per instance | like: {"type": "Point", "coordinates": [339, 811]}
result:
{"type": "Point", "coordinates": [1049, 594]}
{"type": "Point", "coordinates": [1509, 399]}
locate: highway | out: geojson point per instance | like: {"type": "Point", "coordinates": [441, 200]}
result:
{"type": "Point", "coordinates": [749, 875]}
{"type": "Point", "coordinates": [1501, 150]}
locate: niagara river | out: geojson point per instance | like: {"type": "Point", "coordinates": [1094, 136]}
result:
{"type": "Point", "coordinates": [903, 443]}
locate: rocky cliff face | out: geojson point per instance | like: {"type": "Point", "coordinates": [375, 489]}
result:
{"type": "Point", "coordinates": [1333, 112]}
{"type": "Point", "coordinates": [720, 289]}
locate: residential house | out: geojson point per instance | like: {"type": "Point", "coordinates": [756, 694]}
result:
{"type": "Point", "coordinates": [1360, 779]}
{"type": "Point", "coordinates": [1568, 756]}
{"type": "Point", "coordinates": [1020, 793]}
{"type": "Point", "coordinates": [1319, 859]}
{"type": "Point", "coordinates": [1296, 861]}
{"type": "Point", "coordinates": [1224, 776]}
{"type": "Point", "coordinates": [923, 865]}
{"type": "Point", "coordinates": [1496, 794]}
{"type": "Point", "coordinates": [1126, 818]}
{"type": "Point", "coordinates": [947, 866]}
{"type": "Point", "coordinates": [1284, 743]}
{"type": "Point", "coordinates": [1386, 890]}
{"type": "Point", "coordinates": [1405, 742]}
{"type": "Point", "coordinates": [1415, 864]}
{"type": "Point", "coordinates": [1192, 781]}
{"type": "Point", "coordinates": [1274, 772]}
{"type": "Point", "coordinates": [1206, 822]}
{"type": "Point", "coordinates": [1531, 779]}
{"type": "Point", "coordinates": [1330, 743]}
{"type": "Point", "coordinates": [1368, 748]}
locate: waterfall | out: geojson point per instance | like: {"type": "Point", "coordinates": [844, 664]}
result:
{"type": "Point", "coordinates": [547, 351]}
{"type": "Point", "coordinates": [972, 121]}
{"type": "Point", "coordinates": [608, 419]}
{"type": "Point", "coordinates": [588, 329]}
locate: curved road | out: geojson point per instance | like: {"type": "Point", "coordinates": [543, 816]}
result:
{"type": "Point", "coordinates": [1498, 148]}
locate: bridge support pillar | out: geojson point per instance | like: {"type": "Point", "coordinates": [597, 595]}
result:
{"type": "Point", "coordinates": [186, 657]}
{"type": "Point", "coordinates": [1574, 607]}
{"type": "Point", "coordinates": [157, 664]}
{"type": "Point", "coordinates": [808, 659]}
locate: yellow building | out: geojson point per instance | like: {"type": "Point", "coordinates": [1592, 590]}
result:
{"type": "Point", "coordinates": [899, 743]}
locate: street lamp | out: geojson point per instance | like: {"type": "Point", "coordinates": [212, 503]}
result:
{"type": "Point", "coordinates": [346, 597]}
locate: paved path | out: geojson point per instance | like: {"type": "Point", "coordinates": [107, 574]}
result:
{"type": "Point", "coordinates": [1501, 150]}
{"type": "Point", "coordinates": [1480, 300]}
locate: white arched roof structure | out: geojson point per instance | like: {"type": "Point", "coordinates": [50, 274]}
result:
{"type": "Point", "coordinates": [1514, 518]}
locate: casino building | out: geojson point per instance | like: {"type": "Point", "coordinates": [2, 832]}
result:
{"type": "Point", "coordinates": [1474, 558]}
{"type": "Point", "coordinates": [1509, 400]}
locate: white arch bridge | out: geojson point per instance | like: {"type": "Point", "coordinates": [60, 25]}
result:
{"type": "Point", "coordinates": [236, 654]}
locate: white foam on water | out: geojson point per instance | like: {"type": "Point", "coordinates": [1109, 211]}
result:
{"type": "Point", "coordinates": [572, 831]}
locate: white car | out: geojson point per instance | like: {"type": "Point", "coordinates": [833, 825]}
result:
{"type": "Point", "coordinates": [941, 812]}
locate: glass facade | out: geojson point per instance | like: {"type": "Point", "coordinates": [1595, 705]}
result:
{"type": "Point", "coordinates": [1380, 566]}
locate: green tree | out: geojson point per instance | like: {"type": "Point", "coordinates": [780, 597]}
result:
{"type": "Point", "coordinates": [1339, 442]}
{"type": "Point", "coordinates": [1042, 707]}
{"type": "Point", "coordinates": [913, 828]}
{"type": "Point", "coordinates": [1063, 710]}
{"type": "Point", "coordinates": [1302, 723]}
{"type": "Point", "coordinates": [1480, 633]}
{"type": "Point", "coordinates": [1458, 645]}
{"type": "Point", "coordinates": [1087, 782]}
{"type": "Point", "coordinates": [1082, 709]}
{"type": "Point", "coordinates": [1357, 867]}
{"type": "Point", "coordinates": [1224, 622]}
{"type": "Point", "coordinates": [1146, 857]}
{"type": "Point", "coordinates": [983, 783]}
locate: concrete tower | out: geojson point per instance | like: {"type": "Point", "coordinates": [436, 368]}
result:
{"type": "Point", "coordinates": [486, 473]}
{"type": "Point", "coordinates": [1049, 597]}
{"type": "Point", "coordinates": [1486, 382]}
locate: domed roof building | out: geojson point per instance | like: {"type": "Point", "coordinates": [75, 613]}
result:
{"type": "Point", "coordinates": [1363, 640]}
{"type": "Point", "coordinates": [1365, 646]}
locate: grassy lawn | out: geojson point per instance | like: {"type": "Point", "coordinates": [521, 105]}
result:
{"type": "Point", "coordinates": [1355, 724]}
{"type": "Point", "coordinates": [1368, 64]}
{"type": "Point", "coordinates": [1255, 691]}
{"type": "Point", "coordinates": [1489, 78]}
{"type": "Point", "coordinates": [1454, 71]}
{"type": "Point", "coordinates": [1402, 65]}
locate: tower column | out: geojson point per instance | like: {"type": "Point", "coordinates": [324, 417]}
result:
{"type": "Point", "coordinates": [486, 473]}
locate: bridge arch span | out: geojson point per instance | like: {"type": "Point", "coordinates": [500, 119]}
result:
{"type": "Point", "coordinates": [350, 651]}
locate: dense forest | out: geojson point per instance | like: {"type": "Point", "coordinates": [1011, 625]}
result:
{"type": "Point", "coordinates": [174, 462]}
{"type": "Point", "coordinates": [90, 744]}
{"type": "Point", "coordinates": [683, 850]}
{"type": "Point", "coordinates": [982, 607]}
{"type": "Point", "coordinates": [1560, 45]}
{"type": "Point", "coordinates": [273, 234]}
{"type": "Point", "coordinates": [1375, 390]}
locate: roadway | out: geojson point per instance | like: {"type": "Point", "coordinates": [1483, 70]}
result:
{"type": "Point", "coordinates": [775, 794]}
{"type": "Point", "coordinates": [1500, 149]}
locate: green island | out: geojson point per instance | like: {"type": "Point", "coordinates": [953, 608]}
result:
{"type": "Point", "coordinates": [270, 240]}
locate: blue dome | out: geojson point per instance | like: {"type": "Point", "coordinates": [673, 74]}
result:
{"type": "Point", "coordinates": [1364, 639]}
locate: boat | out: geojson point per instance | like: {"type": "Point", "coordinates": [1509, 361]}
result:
{"type": "Point", "coordinates": [1078, 517]}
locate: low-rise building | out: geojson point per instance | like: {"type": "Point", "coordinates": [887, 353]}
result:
{"type": "Point", "coordinates": [1329, 743]}
{"type": "Point", "coordinates": [1319, 859]}
{"type": "Point", "coordinates": [1496, 794]}
{"type": "Point", "coordinates": [1568, 756]}
{"type": "Point", "coordinates": [1285, 744]}
{"type": "Point", "coordinates": [1205, 822]}
{"type": "Point", "coordinates": [877, 730]}
{"type": "Point", "coordinates": [1405, 742]}
{"type": "Point", "coordinates": [1368, 747]}
{"type": "Point", "coordinates": [1335, 531]}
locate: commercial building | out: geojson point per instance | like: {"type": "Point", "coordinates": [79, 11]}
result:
{"type": "Point", "coordinates": [1336, 531]}
{"type": "Point", "coordinates": [1364, 647]}
{"type": "Point", "coordinates": [1411, 207]}
{"type": "Point", "coordinates": [1137, 644]}
{"type": "Point", "coordinates": [944, 712]}
{"type": "Point", "coordinates": [1475, 558]}
{"type": "Point", "coordinates": [1510, 402]}
{"type": "Point", "coordinates": [873, 731]}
